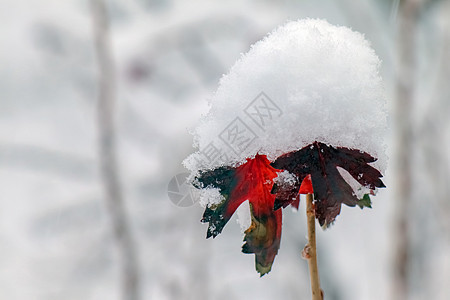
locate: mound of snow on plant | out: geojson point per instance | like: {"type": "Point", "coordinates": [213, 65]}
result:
{"type": "Point", "coordinates": [306, 81]}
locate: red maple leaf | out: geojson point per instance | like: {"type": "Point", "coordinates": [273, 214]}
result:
{"type": "Point", "coordinates": [251, 181]}
{"type": "Point", "coordinates": [315, 170]}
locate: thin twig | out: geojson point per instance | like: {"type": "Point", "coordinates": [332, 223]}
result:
{"type": "Point", "coordinates": [405, 90]}
{"type": "Point", "coordinates": [310, 252]}
{"type": "Point", "coordinates": [108, 161]}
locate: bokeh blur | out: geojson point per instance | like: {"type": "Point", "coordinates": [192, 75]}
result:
{"type": "Point", "coordinates": [61, 237]}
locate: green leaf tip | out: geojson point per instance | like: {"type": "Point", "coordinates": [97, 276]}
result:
{"type": "Point", "coordinates": [365, 202]}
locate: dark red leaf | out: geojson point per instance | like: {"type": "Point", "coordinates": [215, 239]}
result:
{"type": "Point", "coordinates": [330, 189]}
{"type": "Point", "coordinates": [289, 193]}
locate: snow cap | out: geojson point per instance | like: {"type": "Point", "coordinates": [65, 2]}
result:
{"type": "Point", "coordinates": [306, 81]}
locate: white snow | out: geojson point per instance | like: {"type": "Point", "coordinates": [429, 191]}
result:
{"type": "Point", "coordinates": [306, 81]}
{"type": "Point", "coordinates": [210, 196]}
{"type": "Point", "coordinates": [285, 178]}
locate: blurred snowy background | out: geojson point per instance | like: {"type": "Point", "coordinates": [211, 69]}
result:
{"type": "Point", "coordinates": [56, 235]}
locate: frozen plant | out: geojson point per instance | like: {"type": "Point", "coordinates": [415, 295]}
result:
{"type": "Point", "coordinates": [316, 127]}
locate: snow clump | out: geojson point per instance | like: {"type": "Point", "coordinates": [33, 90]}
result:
{"type": "Point", "coordinates": [306, 81]}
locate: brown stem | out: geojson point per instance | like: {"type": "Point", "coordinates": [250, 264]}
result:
{"type": "Point", "coordinates": [310, 252]}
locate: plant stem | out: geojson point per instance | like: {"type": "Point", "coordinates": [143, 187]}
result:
{"type": "Point", "coordinates": [310, 250]}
